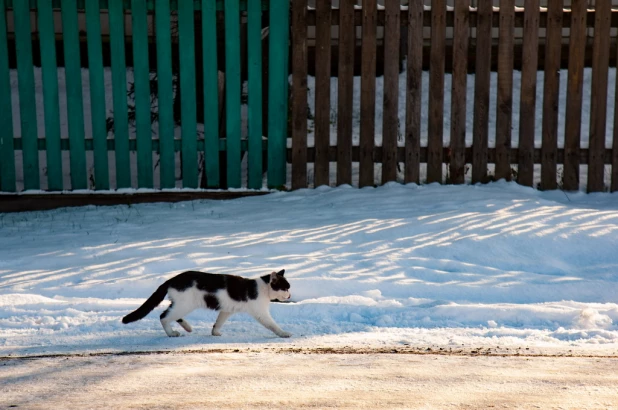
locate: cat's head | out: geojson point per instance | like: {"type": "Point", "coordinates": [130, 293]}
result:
{"type": "Point", "coordinates": [278, 286]}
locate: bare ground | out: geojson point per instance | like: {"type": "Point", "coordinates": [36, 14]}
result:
{"type": "Point", "coordinates": [408, 377]}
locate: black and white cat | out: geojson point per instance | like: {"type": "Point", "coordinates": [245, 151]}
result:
{"type": "Point", "coordinates": [227, 294]}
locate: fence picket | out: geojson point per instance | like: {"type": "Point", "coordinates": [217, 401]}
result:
{"type": "Point", "coordinates": [50, 95]}
{"type": "Point", "coordinates": [119, 91]}
{"type": "Point", "coordinates": [97, 94]}
{"type": "Point", "coordinates": [435, 138]}
{"type": "Point", "coordinates": [254, 46]}
{"type": "Point", "coordinates": [345, 91]}
{"type": "Point", "coordinates": [390, 117]}
{"type": "Point", "coordinates": [482, 81]}
{"type": "Point", "coordinates": [551, 95]}
{"type": "Point", "coordinates": [368, 94]}
{"type": "Point", "coordinates": [7, 152]}
{"type": "Point", "coordinates": [27, 103]}
{"type": "Point", "coordinates": [504, 103]}
{"type": "Point", "coordinates": [572, 139]}
{"type": "Point", "coordinates": [527, 110]}
{"type": "Point", "coordinates": [459, 89]}
{"type": "Point", "coordinates": [413, 91]}
{"type": "Point", "coordinates": [211, 93]}
{"type": "Point", "coordinates": [141, 79]}
{"type": "Point", "coordinates": [232, 92]}
{"type": "Point", "coordinates": [322, 92]}
{"type": "Point", "coordinates": [299, 94]}
{"type": "Point", "coordinates": [598, 103]}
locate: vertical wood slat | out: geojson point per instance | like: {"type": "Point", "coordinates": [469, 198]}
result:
{"type": "Point", "coordinates": [75, 103]}
{"type": "Point", "coordinates": [504, 102]}
{"type": "Point", "coordinates": [598, 103]}
{"type": "Point", "coordinates": [7, 152]}
{"type": "Point", "coordinates": [527, 110]}
{"type": "Point", "coordinates": [142, 93]}
{"type": "Point", "coordinates": [254, 46]}
{"type": "Point", "coordinates": [572, 139]}
{"type": "Point", "coordinates": [119, 92]}
{"type": "Point", "coordinates": [232, 92]}
{"type": "Point", "coordinates": [345, 91]}
{"type": "Point", "coordinates": [165, 96]}
{"type": "Point", "coordinates": [435, 138]}
{"type": "Point", "coordinates": [299, 94]}
{"type": "Point", "coordinates": [27, 103]}
{"type": "Point", "coordinates": [461, 33]}
{"type": "Point", "coordinates": [368, 93]}
{"type": "Point", "coordinates": [211, 93]}
{"type": "Point", "coordinates": [413, 91]}
{"type": "Point", "coordinates": [482, 81]}
{"type": "Point", "coordinates": [322, 91]}
{"type": "Point", "coordinates": [50, 94]}
{"type": "Point", "coordinates": [97, 94]}
{"type": "Point", "coordinates": [614, 180]}
{"type": "Point", "coordinates": [551, 95]}
{"type": "Point", "coordinates": [277, 93]}
{"type": "Point", "coordinates": [188, 113]}
{"type": "Point", "coordinates": [390, 124]}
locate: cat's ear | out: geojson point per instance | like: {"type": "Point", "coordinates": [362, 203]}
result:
{"type": "Point", "coordinates": [281, 272]}
{"type": "Point", "coordinates": [273, 276]}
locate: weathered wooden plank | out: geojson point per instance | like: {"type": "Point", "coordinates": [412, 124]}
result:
{"type": "Point", "coordinates": [461, 34]}
{"type": "Point", "coordinates": [345, 91]}
{"type": "Point", "coordinates": [254, 47]}
{"type": "Point", "coordinates": [482, 81]}
{"type": "Point", "coordinates": [97, 95]}
{"type": "Point", "coordinates": [414, 86]}
{"type": "Point", "coordinates": [277, 93]}
{"type": "Point", "coordinates": [232, 92]}
{"type": "Point", "coordinates": [27, 103]}
{"type": "Point", "coordinates": [211, 94]}
{"type": "Point", "coordinates": [368, 93]}
{"type": "Point", "coordinates": [504, 102]}
{"type": "Point", "coordinates": [119, 92]}
{"type": "Point", "coordinates": [527, 110]}
{"type": "Point", "coordinates": [49, 69]}
{"type": "Point", "coordinates": [322, 91]}
{"type": "Point", "coordinates": [142, 94]}
{"type": "Point", "coordinates": [435, 138]}
{"type": "Point", "coordinates": [577, 50]}
{"type": "Point", "coordinates": [299, 94]}
{"type": "Point", "coordinates": [390, 124]}
{"type": "Point", "coordinates": [7, 153]}
{"type": "Point", "coordinates": [551, 95]}
{"type": "Point", "coordinates": [598, 103]}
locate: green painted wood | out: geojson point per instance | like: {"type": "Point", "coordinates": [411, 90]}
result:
{"type": "Point", "coordinates": [254, 46]}
{"type": "Point", "coordinates": [166, 94]}
{"type": "Point", "coordinates": [75, 104]}
{"type": "Point", "coordinates": [119, 92]}
{"type": "Point", "coordinates": [7, 153]}
{"type": "Point", "coordinates": [27, 103]}
{"type": "Point", "coordinates": [50, 95]}
{"type": "Point", "coordinates": [277, 94]}
{"type": "Point", "coordinates": [141, 78]}
{"type": "Point", "coordinates": [211, 93]}
{"type": "Point", "coordinates": [97, 94]}
{"type": "Point", "coordinates": [232, 92]}
{"type": "Point", "coordinates": [188, 114]}
{"type": "Point", "coordinates": [150, 4]}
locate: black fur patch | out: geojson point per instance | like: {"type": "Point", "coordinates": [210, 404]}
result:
{"type": "Point", "coordinates": [280, 283]}
{"type": "Point", "coordinates": [166, 311]}
{"type": "Point", "coordinates": [208, 282]}
{"type": "Point", "coordinates": [212, 302]}
{"type": "Point", "coordinates": [241, 289]}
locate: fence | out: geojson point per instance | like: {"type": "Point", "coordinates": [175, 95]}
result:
{"type": "Point", "coordinates": [128, 145]}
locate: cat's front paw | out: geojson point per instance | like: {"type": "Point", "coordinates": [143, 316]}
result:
{"type": "Point", "coordinates": [173, 333]}
{"type": "Point", "coordinates": [284, 334]}
{"type": "Point", "coordinates": [216, 333]}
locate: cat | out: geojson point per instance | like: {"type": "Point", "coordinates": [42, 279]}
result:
{"type": "Point", "coordinates": [227, 294]}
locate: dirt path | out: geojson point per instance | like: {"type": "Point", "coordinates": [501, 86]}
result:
{"type": "Point", "coordinates": [306, 379]}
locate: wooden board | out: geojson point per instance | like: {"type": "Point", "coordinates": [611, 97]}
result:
{"type": "Point", "coordinates": [299, 94]}
{"type": "Point", "coordinates": [345, 91]}
{"type": "Point", "coordinates": [390, 124]}
{"type": "Point", "coordinates": [368, 93]}
{"type": "Point", "coordinates": [435, 127]}
{"type": "Point", "coordinates": [504, 101]}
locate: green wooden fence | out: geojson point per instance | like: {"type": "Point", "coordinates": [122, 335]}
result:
{"type": "Point", "coordinates": [137, 137]}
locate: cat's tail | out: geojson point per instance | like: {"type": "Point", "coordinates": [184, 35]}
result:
{"type": "Point", "coordinates": [151, 303]}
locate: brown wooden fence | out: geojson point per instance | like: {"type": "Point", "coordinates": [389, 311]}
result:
{"type": "Point", "coordinates": [456, 162]}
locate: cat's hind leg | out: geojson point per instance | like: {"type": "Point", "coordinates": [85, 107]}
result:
{"type": "Point", "coordinates": [223, 316]}
{"type": "Point", "coordinates": [185, 325]}
{"type": "Point", "coordinates": [175, 312]}
{"type": "Point", "coordinates": [269, 323]}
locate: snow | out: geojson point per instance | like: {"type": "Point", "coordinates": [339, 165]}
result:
{"type": "Point", "coordinates": [399, 265]}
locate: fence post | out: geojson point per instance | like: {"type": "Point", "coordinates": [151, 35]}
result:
{"type": "Point", "coordinates": [7, 152]}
